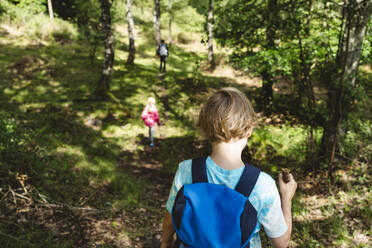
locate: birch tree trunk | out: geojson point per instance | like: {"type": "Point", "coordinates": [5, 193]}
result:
{"type": "Point", "coordinates": [356, 14]}
{"type": "Point", "coordinates": [132, 48]}
{"type": "Point", "coordinates": [157, 21]}
{"type": "Point", "coordinates": [210, 21]}
{"type": "Point", "coordinates": [170, 22]}
{"type": "Point", "coordinates": [50, 9]}
{"type": "Point", "coordinates": [108, 61]}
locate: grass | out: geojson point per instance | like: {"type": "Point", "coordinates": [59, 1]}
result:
{"type": "Point", "coordinates": [82, 152]}
{"type": "Point", "coordinates": [284, 144]}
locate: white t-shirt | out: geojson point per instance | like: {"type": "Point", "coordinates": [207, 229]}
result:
{"type": "Point", "coordinates": [264, 197]}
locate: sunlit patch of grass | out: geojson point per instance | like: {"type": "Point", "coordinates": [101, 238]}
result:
{"type": "Point", "coordinates": [127, 190]}
{"type": "Point", "coordinates": [125, 135]}
{"type": "Point", "coordinates": [40, 28]}
{"type": "Point", "coordinates": [298, 207]}
{"type": "Point", "coordinates": [343, 215]}
{"type": "Point", "coordinates": [304, 238]}
{"type": "Point", "coordinates": [190, 25]}
{"type": "Point", "coordinates": [101, 168]}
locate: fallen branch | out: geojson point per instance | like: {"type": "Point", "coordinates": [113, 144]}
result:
{"type": "Point", "coordinates": [14, 198]}
{"type": "Point", "coordinates": [90, 197]}
{"type": "Point", "coordinates": [22, 196]}
{"type": "Point", "coordinates": [5, 195]}
{"type": "Point", "coordinates": [50, 205]}
{"type": "Point", "coordinates": [43, 197]}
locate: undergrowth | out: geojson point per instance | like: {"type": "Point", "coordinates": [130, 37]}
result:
{"type": "Point", "coordinates": [83, 166]}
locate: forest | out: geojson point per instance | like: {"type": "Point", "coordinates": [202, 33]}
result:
{"type": "Point", "coordinates": [76, 168]}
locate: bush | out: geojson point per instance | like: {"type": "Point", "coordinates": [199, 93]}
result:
{"type": "Point", "coordinates": [183, 38]}
{"type": "Point", "coordinates": [15, 153]}
{"type": "Point", "coordinates": [358, 141]}
{"type": "Point", "coordinates": [29, 18]}
{"type": "Point", "coordinates": [41, 27]}
{"type": "Point", "coordinates": [22, 11]}
{"type": "Point", "coordinates": [11, 140]}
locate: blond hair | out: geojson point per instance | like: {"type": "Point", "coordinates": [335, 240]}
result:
{"type": "Point", "coordinates": [226, 115]}
{"type": "Point", "coordinates": [151, 100]}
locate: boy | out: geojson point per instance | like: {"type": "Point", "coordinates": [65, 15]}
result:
{"type": "Point", "coordinates": [227, 119]}
{"type": "Point", "coordinates": [163, 52]}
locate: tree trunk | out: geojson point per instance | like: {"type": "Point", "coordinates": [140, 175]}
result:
{"type": "Point", "coordinates": [267, 79]}
{"type": "Point", "coordinates": [272, 8]}
{"type": "Point", "coordinates": [170, 22]}
{"type": "Point", "coordinates": [157, 22]}
{"type": "Point", "coordinates": [108, 61]}
{"type": "Point", "coordinates": [50, 9]}
{"type": "Point", "coordinates": [210, 20]}
{"type": "Point", "coordinates": [132, 48]}
{"type": "Point", "coordinates": [307, 86]}
{"type": "Point", "coordinates": [356, 14]}
{"type": "Point", "coordinates": [266, 91]}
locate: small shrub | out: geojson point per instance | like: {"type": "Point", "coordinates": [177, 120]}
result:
{"type": "Point", "coordinates": [22, 11]}
{"type": "Point", "coordinates": [190, 23]}
{"type": "Point", "coordinates": [284, 141]}
{"type": "Point", "coordinates": [41, 27]}
{"type": "Point", "coordinates": [183, 38]}
{"type": "Point", "coordinates": [31, 22]}
{"type": "Point", "coordinates": [11, 140]}
{"type": "Point", "coordinates": [62, 36]}
{"type": "Point", "coordinates": [2, 8]}
{"type": "Point", "coordinates": [18, 151]}
{"type": "Point", "coordinates": [358, 141]}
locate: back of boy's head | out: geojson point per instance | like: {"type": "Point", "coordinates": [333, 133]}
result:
{"type": "Point", "coordinates": [226, 115]}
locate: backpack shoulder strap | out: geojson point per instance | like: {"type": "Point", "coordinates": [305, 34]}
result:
{"type": "Point", "coordinates": [199, 170]}
{"type": "Point", "coordinates": [247, 180]}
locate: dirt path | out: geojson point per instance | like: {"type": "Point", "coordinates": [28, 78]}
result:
{"type": "Point", "coordinates": [144, 222]}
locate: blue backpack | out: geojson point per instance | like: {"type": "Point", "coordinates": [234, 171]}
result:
{"type": "Point", "coordinates": [207, 215]}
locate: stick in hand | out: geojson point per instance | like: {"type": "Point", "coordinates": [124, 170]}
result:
{"type": "Point", "coordinates": [285, 173]}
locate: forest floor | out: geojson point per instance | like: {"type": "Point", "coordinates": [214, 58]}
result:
{"type": "Point", "coordinates": [86, 177]}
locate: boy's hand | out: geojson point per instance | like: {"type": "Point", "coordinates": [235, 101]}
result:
{"type": "Point", "coordinates": [287, 190]}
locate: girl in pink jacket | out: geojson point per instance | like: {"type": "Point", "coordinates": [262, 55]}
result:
{"type": "Point", "coordinates": [150, 116]}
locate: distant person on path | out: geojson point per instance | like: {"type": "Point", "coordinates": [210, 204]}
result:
{"type": "Point", "coordinates": [218, 201]}
{"type": "Point", "coordinates": [163, 52]}
{"type": "Point", "coordinates": [150, 116]}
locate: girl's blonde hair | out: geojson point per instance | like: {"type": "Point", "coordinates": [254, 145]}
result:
{"type": "Point", "coordinates": [227, 115]}
{"type": "Point", "coordinates": [151, 100]}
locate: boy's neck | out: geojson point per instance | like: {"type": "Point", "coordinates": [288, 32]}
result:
{"type": "Point", "coordinates": [228, 155]}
